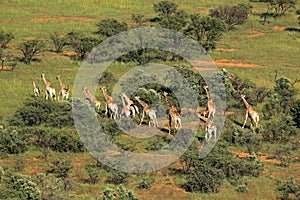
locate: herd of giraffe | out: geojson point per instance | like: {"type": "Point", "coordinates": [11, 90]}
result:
{"type": "Point", "coordinates": [130, 109]}
{"type": "Point", "coordinates": [50, 90]}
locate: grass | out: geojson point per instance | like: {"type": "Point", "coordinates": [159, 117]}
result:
{"type": "Point", "coordinates": [270, 49]}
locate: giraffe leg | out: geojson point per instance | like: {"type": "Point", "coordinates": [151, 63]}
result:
{"type": "Point", "coordinates": [246, 117]}
{"type": "Point", "coordinates": [143, 114]}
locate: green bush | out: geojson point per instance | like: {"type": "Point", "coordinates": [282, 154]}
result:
{"type": "Point", "coordinates": [60, 168]}
{"type": "Point", "coordinates": [18, 186]}
{"type": "Point", "coordinates": [120, 193]}
{"type": "Point", "coordinates": [204, 178]}
{"type": "Point", "coordinates": [37, 111]}
{"type": "Point", "coordinates": [11, 142]}
{"type": "Point", "coordinates": [117, 177]}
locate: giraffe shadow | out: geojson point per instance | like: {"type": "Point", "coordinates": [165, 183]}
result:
{"type": "Point", "coordinates": [237, 122]}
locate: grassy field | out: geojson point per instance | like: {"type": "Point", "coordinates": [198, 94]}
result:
{"type": "Point", "coordinates": [252, 51]}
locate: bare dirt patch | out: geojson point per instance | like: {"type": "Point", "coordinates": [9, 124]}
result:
{"type": "Point", "coordinates": [202, 65]}
{"type": "Point", "coordinates": [224, 49]}
{"type": "Point", "coordinates": [278, 28]}
{"type": "Point", "coordinates": [256, 34]}
{"type": "Point", "coordinates": [263, 158]}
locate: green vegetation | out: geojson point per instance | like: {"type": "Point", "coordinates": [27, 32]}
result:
{"type": "Point", "coordinates": [41, 154]}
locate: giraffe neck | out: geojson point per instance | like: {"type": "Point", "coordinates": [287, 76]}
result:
{"type": "Point", "coordinates": [168, 102]}
{"type": "Point", "coordinates": [127, 99]}
{"type": "Point", "coordinates": [34, 84]}
{"type": "Point", "coordinates": [106, 96]}
{"type": "Point", "coordinates": [246, 103]}
{"type": "Point", "coordinates": [142, 103]}
{"type": "Point", "coordinates": [123, 102]}
{"type": "Point", "coordinates": [45, 81]}
{"type": "Point", "coordinates": [208, 94]}
{"type": "Point", "coordinates": [60, 82]}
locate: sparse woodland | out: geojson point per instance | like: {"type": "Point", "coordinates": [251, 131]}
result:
{"type": "Point", "coordinates": [42, 155]}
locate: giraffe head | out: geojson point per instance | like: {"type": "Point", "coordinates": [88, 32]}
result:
{"type": "Point", "coordinates": [58, 77]}
{"type": "Point", "coordinates": [224, 70]}
{"type": "Point", "coordinates": [103, 88]}
{"type": "Point", "coordinates": [165, 94]}
{"type": "Point", "coordinates": [205, 87]}
{"type": "Point", "coordinates": [243, 96]}
{"type": "Point", "coordinates": [137, 97]}
{"type": "Point", "coordinates": [84, 88]}
{"type": "Point", "coordinates": [42, 75]}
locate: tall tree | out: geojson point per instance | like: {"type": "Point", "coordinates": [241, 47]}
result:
{"type": "Point", "coordinates": [165, 8]}
{"type": "Point", "coordinates": [206, 30]}
{"type": "Point", "coordinates": [110, 27]}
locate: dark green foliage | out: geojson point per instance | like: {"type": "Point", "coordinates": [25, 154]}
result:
{"type": "Point", "coordinates": [146, 183]}
{"type": "Point", "coordinates": [138, 19]}
{"type": "Point", "coordinates": [206, 30]}
{"type": "Point", "coordinates": [288, 189]}
{"type": "Point", "coordinates": [177, 21]}
{"type": "Point", "coordinates": [120, 193]}
{"type": "Point", "coordinates": [296, 112]}
{"type": "Point", "coordinates": [29, 49]}
{"type": "Point", "coordinates": [106, 78]}
{"type": "Point", "coordinates": [40, 111]}
{"type": "Point", "coordinates": [93, 174]}
{"type": "Point", "coordinates": [286, 93]}
{"type": "Point", "coordinates": [117, 177]}
{"type": "Point", "coordinates": [60, 168]}
{"type": "Point", "coordinates": [5, 38]}
{"type": "Point", "coordinates": [232, 15]}
{"type": "Point", "coordinates": [282, 6]}
{"type": "Point", "coordinates": [110, 27]}
{"type": "Point", "coordinates": [204, 179]}
{"type": "Point", "coordinates": [165, 8]}
{"type": "Point", "coordinates": [17, 186]}
{"type": "Point", "coordinates": [82, 43]}
{"type": "Point", "coordinates": [241, 188]}
{"type": "Point", "coordinates": [59, 42]}
{"type": "Point", "coordinates": [11, 142]}
{"type": "Point", "coordinates": [280, 128]}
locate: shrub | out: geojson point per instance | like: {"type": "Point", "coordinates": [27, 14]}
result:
{"type": "Point", "coordinates": [204, 179]}
{"type": "Point", "coordinates": [11, 142]}
{"type": "Point", "coordinates": [146, 183]}
{"type": "Point", "coordinates": [242, 188]}
{"type": "Point", "coordinates": [40, 111]}
{"type": "Point", "coordinates": [5, 38]}
{"type": "Point", "coordinates": [288, 189]}
{"type": "Point", "coordinates": [60, 168]}
{"type": "Point", "coordinates": [18, 186]}
{"type": "Point", "coordinates": [117, 178]}
{"type": "Point", "coordinates": [29, 49]}
{"type": "Point", "coordinates": [232, 15]}
{"type": "Point", "coordinates": [119, 193]}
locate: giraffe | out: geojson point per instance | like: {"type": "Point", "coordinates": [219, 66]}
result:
{"type": "Point", "coordinates": [133, 108]}
{"type": "Point", "coordinates": [210, 107]}
{"type": "Point", "coordinates": [210, 128]}
{"type": "Point", "coordinates": [50, 90]}
{"type": "Point", "coordinates": [174, 116]}
{"type": "Point", "coordinates": [250, 111]}
{"type": "Point", "coordinates": [125, 109]}
{"type": "Point", "coordinates": [110, 104]}
{"type": "Point", "coordinates": [64, 91]}
{"type": "Point", "coordinates": [149, 111]}
{"type": "Point", "coordinates": [36, 90]}
{"type": "Point", "coordinates": [92, 98]}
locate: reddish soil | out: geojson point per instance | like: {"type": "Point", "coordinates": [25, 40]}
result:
{"type": "Point", "coordinates": [228, 50]}
{"type": "Point", "coordinates": [278, 28]}
{"type": "Point", "coordinates": [209, 65]}
{"type": "Point", "coordinates": [262, 158]}
{"type": "Point", "coordinates": [255, 34]}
